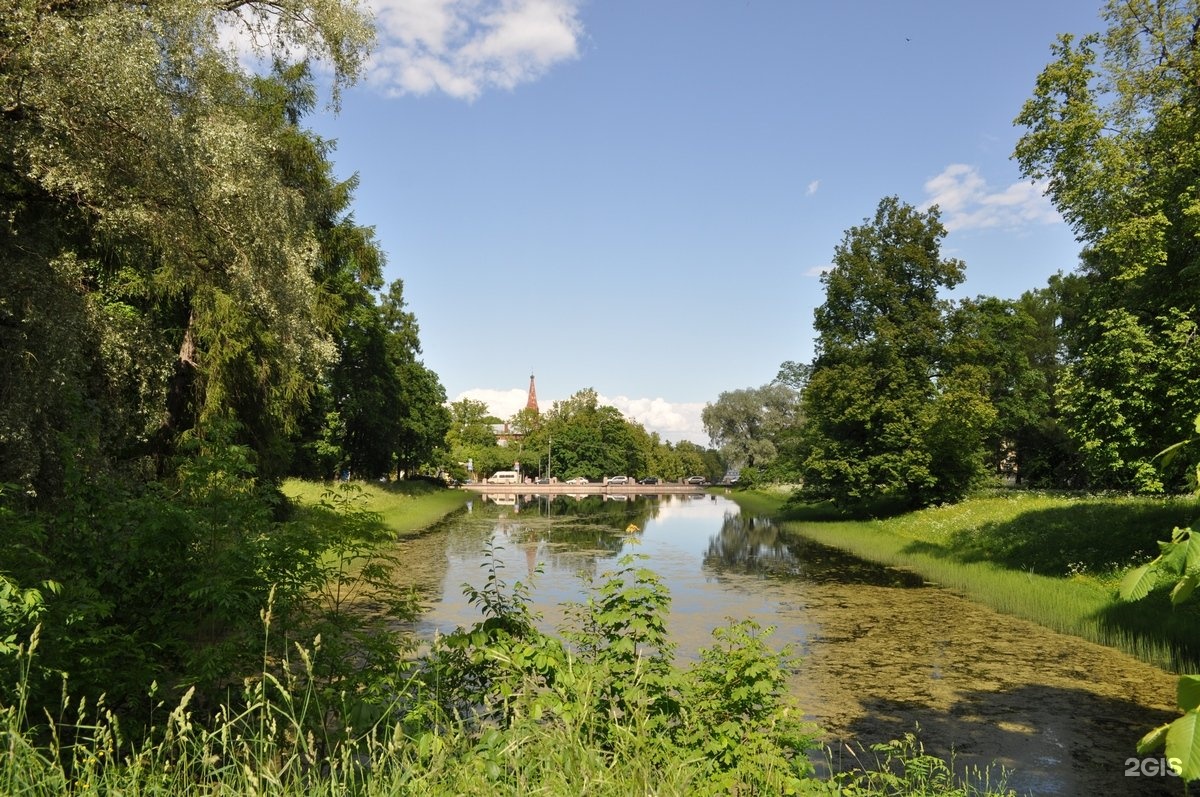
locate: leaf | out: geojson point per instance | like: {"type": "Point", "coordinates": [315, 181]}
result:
{"type": "Point", "coordinates": [1188, 691]}
{"type": "Point", "coordinates": [1183, 743]}
{"type": "Point", "coordinates": [1138, 582]}
{"type": "Point", "coordinates": [1192, 551]}
{"type": "Point", "coordinates": [1169, 453]}
{"type": "Point", "coordinates": [1183, 589]}
{"type": "Point", "coordinates": [1154, 740]}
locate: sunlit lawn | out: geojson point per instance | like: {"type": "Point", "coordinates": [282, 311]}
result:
{"type": "Point", "coordinates": [405, 508]}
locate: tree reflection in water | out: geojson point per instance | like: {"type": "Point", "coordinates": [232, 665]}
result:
{"type": "Point", "coordinates": [757, 546]}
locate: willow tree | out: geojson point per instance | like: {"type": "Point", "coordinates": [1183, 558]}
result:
{"type": "Point", "coordinates": [1113, 126]}
{"type": "Point", "coordinates": [752, 425]}
{"type": "Point", "coordinates": [158, 261]}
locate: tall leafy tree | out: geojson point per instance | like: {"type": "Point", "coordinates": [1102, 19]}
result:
{"type": "Point", "coordinates": [1015, 346]}
{"type": "Point", "coordinates": [887, 419]}
{"type": "Point", "coordinates": [584, 438]}
{"type": "Point", "coordinates": [385, 409]}
{"type": "Point", "coordinates": [1113, 129]}
{"type": "Point", "coordinates": [751, 425]}
{"type": "Point", "coordinates": [158, 263]}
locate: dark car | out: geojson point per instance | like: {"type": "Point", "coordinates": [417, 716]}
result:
{"type": "Point", "coordinates": [649, 480]}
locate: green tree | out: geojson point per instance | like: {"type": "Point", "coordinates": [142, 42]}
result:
{"type": "Point", "coordinates": [749, 426]}
{"type": "Point", "coordinates": [1112, 128]}
{"type": "Point", "coordinates": [158, 262]}
{"type": "Point", "coordinates": [1015, 346]}
{"type": "Point", "coordinates": [470, 438]}
{"type": "Point", "coordinates": [589, 439]}
{"type": "Point", "coordinates": [388, 408]}
{"type": "Point", "coordinates": [471, 425]}
{"type": "Point", "coordinates": [887, 419]}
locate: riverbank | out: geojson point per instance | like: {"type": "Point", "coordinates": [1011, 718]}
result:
{"type": "Point", "coordinates": [406, 507]}
{"type": "Point", "coordinates": [1051, 558]}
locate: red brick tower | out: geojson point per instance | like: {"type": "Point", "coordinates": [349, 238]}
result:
{"type": "Point", "coordinates": [532, 403]}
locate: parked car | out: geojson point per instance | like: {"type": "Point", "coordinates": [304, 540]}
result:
{"type": "Point", "coordinates": [617, 480]}
{"type": "Point", "coordinates": [695, 480]}
{"type": "Point", "coordinates": [578, 480]}
{"type": "Point", "coordinates": [649, 480]}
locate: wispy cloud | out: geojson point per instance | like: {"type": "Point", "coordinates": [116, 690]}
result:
{"type": "Point", "coordinates": [967, 202]}
{"type": "Point", "coordinates": [817, 271]}
{"type": "Point", "coordinates": [812, 187]}
{"type": "Point", "coordinates": [465, 47]}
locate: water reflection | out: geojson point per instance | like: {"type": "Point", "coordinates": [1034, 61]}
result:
{"type": "Point", "coordinates": [880, 653]}
{"type": "Point", "coordinates": [757, 546]}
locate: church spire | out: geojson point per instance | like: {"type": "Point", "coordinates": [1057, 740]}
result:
{"type": "Point", "coordinates": [532, 403]}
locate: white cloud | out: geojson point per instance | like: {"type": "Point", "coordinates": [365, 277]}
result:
{"type": "Point", "coordinates": [812, 187]}
{"type": "Point", "coordinates": [465, 47]}
{"type": "Point", "coordinates": [968, 203]}
{"type": "Point", "coordinates": [502, 403]}
{"type": "Point", "coordinates": [673, 421]}
{"type": "Point", "coordinates": [817, 271]}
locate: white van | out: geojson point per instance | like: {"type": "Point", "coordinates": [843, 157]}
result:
{"type": "Point", "coordinates": [505, 477]}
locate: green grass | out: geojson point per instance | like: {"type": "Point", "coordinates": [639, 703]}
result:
{"type": "Point", "coordinates": [406, 508]}
{"type": "Point", "coordinates": [1051, 558]}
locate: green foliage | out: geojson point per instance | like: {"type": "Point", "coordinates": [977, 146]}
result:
{"type": "Point", "coordinates": [1178, 563]}
{"type": "Point", "coordinates": [901, 767]}
{"type": "Point", "coordinates": [890, 420]}
{"type": "Point", "coordinates": [165, 583]}
{"type": "Point", "coordinates": [754, 425]}
{"type": "Point", "coordinates": [1010, 347]}
{"type": "Point", "coordinates": [1117, 397]}
{"type": "Point", "coordinates": [1112, 130]}
{"type": "Point", "coordinates": [534, 715]}
{"type": "Point", "coordinates": [617, 686]}
{"type": "Point", "coordinates": [740, 717]}
{"type": "Point", "coordinates": [580, 437]}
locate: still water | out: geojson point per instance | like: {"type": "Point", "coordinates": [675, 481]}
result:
{"type": "Point", "coordinates": [881, 651]}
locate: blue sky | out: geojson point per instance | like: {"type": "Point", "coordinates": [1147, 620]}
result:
{"type": "Point", "coordinates": [638, 196]}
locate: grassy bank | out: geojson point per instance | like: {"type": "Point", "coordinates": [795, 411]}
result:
{"type": "Point", "coordinates": [406, 507]}
{"type": "Point", "coordinates": [1053, 559]}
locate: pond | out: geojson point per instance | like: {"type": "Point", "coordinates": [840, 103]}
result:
{"type": "Point", "coordinates": [881, 651]}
